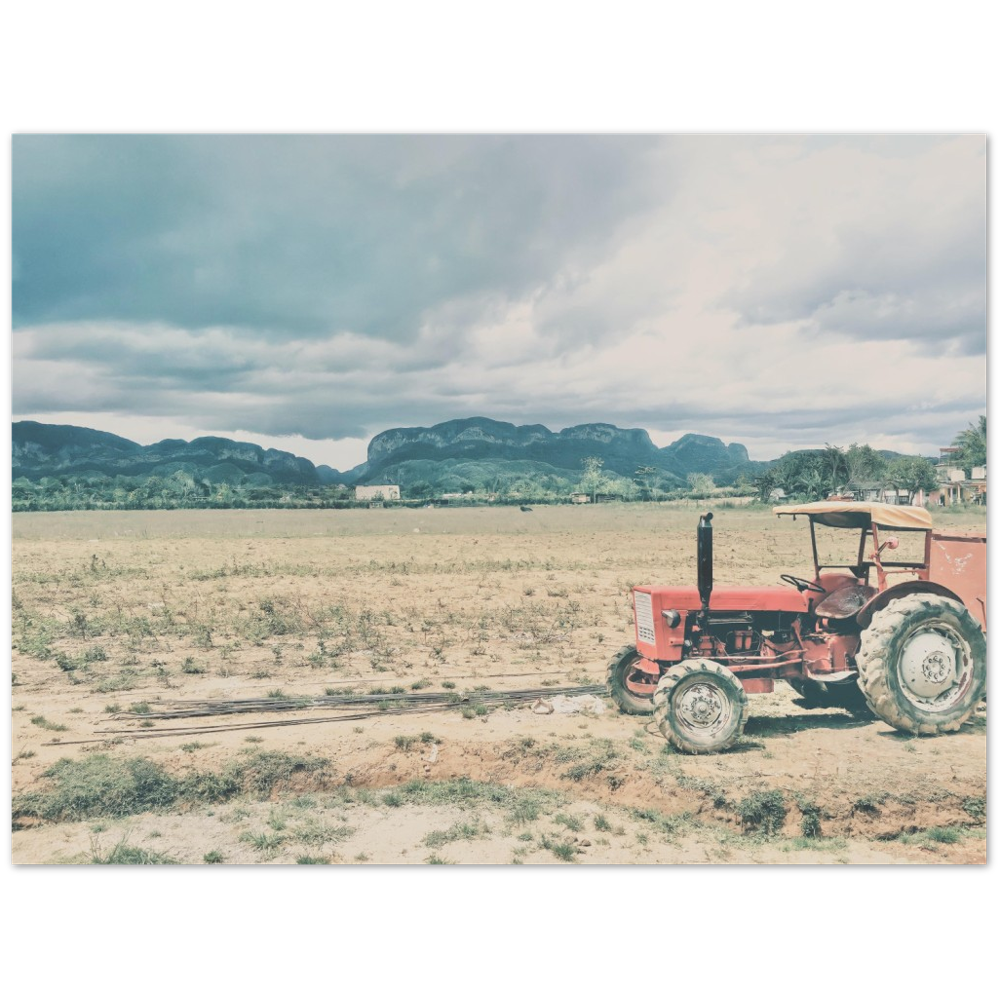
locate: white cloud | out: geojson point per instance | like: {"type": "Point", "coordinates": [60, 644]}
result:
{"type": "Point", "coordinates": [781, 292]}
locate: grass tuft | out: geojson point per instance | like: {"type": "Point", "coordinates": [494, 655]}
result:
{"type": "Point", "coordinates": [762, 812]}
{"type": "Point", "coordinates": [124, 854]}
{"type": "Point", "coordinates": [102, 786]}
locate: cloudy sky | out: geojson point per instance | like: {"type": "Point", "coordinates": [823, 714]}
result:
{"type": "Point", "coordinates": [309, 292]}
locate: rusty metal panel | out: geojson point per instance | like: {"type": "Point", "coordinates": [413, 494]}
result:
{"type": "Point", "coordinates": [757, 685]}
{"type": "Point", "coordinates": [665, 643]}
{"type": "Point", "coordinates": [958, 562]}
{"type": "Point", "coordinates": [743, 599]}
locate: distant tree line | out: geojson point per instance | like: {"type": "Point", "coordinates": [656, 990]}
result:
{"type": "Point", "coordinates": [799, 475]}
{"type": "Point", "coordinates": [177, 492]}
{"type": "Point", "coordinates": [817, 474]}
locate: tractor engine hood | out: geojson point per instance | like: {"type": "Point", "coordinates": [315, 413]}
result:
{"type": "Point", "coordinates": [773, 598]}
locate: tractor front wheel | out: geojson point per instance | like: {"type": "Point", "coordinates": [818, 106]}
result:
{"type": "Point", "coordinates": [922, 664]}
{"type": "Point", "coordinates": [700, 706]}
{"type": "Point", "coordinates": [627, 681]}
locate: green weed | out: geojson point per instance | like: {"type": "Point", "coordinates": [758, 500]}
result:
{"type": "Point", "coordinates": [102, 786]}
{"type": "Point", "coordinates": [124, 854]}
{"type": "Point", "coordinates": [811, 814]}
{"type": "Point", "coordinates": [975, 806]}
{"type": "Point", "coordinates": [43, 723]}
{"type": "Point", "coordinates": [598, 756]}
{"type": "Point", "coordinates": [564, 850]}
{"type": "Point", "coordinates": [570, 822]}
{"type": "Point", "coordinates": [762, 812]}
{"type": "Point", "coordinates": [267, 843]}
{"type": "Point", "coordinates": [459, 831]}
{"type": "Point", "coordinates": [870, 803]}
{"type": "Point", "coordinates": [125, 680]}
{"type": "Point", "coordinates": [317, 833]}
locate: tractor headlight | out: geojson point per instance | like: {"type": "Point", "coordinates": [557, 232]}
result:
{"type": "Point", "coordinates": [672, 618]}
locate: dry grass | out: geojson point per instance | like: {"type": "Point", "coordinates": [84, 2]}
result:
{"type": "Point", "coordinates": [113, 610]}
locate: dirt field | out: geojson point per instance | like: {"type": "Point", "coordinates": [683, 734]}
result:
{"type": "Point", "coordinates": [118, 616]}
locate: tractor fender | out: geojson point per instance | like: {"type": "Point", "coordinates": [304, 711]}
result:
{"type": "Point", "coordinates": [879, 601]}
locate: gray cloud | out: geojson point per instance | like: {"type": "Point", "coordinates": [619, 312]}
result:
{"type": "Point", "coordinates": [303, 235]}
{"type": "Point", "coordinates": [780, 291]}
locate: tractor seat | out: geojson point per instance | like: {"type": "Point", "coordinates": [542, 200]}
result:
{"type": "Point", "coordinates": [845, 602]}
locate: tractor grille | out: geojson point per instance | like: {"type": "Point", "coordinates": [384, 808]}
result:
{"type": "Point", "coordinates": [644, 616]}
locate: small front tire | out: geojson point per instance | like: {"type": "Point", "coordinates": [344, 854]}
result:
{"type": "Point", "coordinates": [700, 706]}
{"type": "Point", "coordinates": [624, 671]}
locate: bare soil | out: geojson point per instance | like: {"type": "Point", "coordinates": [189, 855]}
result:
{"type": "Point", "coordinates": [117, 614]}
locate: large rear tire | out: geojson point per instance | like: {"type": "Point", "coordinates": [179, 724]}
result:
{"type": "Point", "coordinates": [623, 669]}
{"type": "Point", "coordinates": [700, 706]}
{"type": "Point", "coordinates": [922, 664]}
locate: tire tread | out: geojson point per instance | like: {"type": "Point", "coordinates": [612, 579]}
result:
{"type": "Point", "coordinates": [874, 668]}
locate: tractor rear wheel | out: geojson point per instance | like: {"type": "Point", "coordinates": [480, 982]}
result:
{"type": "Point", "coordinates": [700, 706]}
{"type": "Point", "coordinates": [624, 674]}
{"type": "Point", "coordinates": [922, 664]}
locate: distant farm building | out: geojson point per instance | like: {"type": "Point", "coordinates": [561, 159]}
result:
{"type": "Point", "coordinates": [953, 484]}
{"type": "Point", "coordinates": [880, 492]}
{"type": "Point", "coordinates": [580, 497]}
{"type": "Point", "coordinates": [376, 494]}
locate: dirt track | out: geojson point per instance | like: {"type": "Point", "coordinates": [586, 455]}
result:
{"type": "Point", "coordinates": [115, 611]}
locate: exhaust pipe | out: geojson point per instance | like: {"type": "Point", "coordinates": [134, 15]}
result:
{"type": "Point", "coordinates": [705, 562]}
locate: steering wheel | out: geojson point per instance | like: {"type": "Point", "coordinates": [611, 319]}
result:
{"type": "Point", "coordinates": [801, 585]}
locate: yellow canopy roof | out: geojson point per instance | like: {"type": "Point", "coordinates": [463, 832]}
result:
{"type": "Point", "coordinates": [851, 514]}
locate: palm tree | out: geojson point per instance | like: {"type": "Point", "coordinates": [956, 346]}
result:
{"type": "Point", "coordinates": [815, 484]}
{"type": "Point", "coordinates": [972, 441]}
{"type": "Point", "coordinates": [836, 467]}
{"type": "Point", "coordinates": [785, 479]}
{"type": "Point", "coordinates": [765, 485]}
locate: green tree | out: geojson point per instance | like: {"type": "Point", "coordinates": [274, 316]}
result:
{"type": "Point", "coordinates": [765, 484]}
{"type": "Point", "coordinates": [801, 472]}
{"type": "Point", "coordinates": [814, 483]}
{"type": "Point", "coordinates": [835, 468]}
{"type": "Point", "coordinates": [786, 478]}
{"type": "Point", "coordinates": [593, 480]}
{"type": "Point", "coordinates": [911, 474]}
{"type": "Point", "coordinates": [624, 488]}
{"type": "Point", "coordinates": [644, 477]}
{"type": "Point", "coordinates": [699, 482]}
{"type": "Point", "coordinates": [972, 441]}
{"type": "Point", "coordinates": [864, 463]}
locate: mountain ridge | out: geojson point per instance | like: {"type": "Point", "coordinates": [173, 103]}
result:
{"type": "Point", "coordinates": [622, 450]}
{"type": "Point", "coordinates": [40, 450]}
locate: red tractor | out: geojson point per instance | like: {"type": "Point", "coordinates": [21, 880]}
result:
{"type": "Point", "coordinates": [905, 637]}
